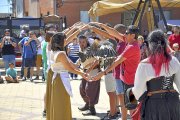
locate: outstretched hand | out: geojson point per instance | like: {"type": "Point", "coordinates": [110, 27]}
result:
{"type": "Point", "coordinates": [86, 76]}
{"type": "Point", "coordinates": [98, 76]}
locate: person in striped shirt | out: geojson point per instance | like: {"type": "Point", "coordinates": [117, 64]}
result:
{"type": "Point", "coordinates": [72, 51]}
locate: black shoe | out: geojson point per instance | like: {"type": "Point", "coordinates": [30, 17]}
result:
{"type": "Point", "coordinates": [1, 80]}
{"type": "Point", "coordinates": [109, 117]}
{"type": "Point", "coordinates": [84, 108]}
{"type": "Point", "coordinates": [36, 78]}
{"type": "Point", "coordinates": [24, 79]}
{"type": "Point", "coordinates": [91, 111]}
{"type": "Point", "coordinates": [43, 78]}
{"type": "Point", "coordinates": [44, 113]}
{"type": "Point", "coordinates": [31, 79]}
{"type": "Point", "coordinates": [112, 117]}
{"type": "Point", "coordinates": [118, 112]}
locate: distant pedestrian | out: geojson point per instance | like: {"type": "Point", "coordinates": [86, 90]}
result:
{"type": "Point", "coordinates": [177, 51]}
{"type": "Point", "coordinates": [175, 37]}
{"type": "Point", "coordinates": [11, 74]}
{"type": "Point", "coordinates": [29, 52]}
{"type": "Point", "coordinates": [143, 47]}
{"type": "Point", "coordinates": [39, 54]}
{"type": "Point", "coordinates": [8, 44]}
{"type": "Point", "coordinates": [72, 51]}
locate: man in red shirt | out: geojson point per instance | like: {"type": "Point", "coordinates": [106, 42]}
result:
{"type": "Point", "coordinates": [129, 59]}
{"type": "Point", "coordinates": [174, 38]}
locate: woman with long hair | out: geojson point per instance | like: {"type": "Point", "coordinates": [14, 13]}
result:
{"type": "Point", "coordinates": [154, 80]}
{"type": "Point", "coordinates": [60, 108]}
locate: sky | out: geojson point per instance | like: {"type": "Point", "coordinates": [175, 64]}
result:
{"type": "Point", "coordinates": [4, 6]}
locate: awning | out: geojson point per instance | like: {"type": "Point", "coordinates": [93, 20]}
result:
{"type": "Point", "coordinates": [105, 7]}
{"type": "Point", "coordinates": [173, 22]}
{"type": "Point", "coordinates": [169, 23]}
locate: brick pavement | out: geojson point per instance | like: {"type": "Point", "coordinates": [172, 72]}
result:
{"type": "Point", "coordinates": [24, 101]}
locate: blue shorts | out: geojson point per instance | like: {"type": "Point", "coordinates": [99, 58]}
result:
{"type": "Point", "coordinates": [29, 62]}
{"type": "Point", "coordinates": [119, 87]}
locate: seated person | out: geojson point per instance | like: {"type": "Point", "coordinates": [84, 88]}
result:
{"type": "Point", "coordinates": [1, 79]}
{"type": "Point", "coordinates": [11, 74]}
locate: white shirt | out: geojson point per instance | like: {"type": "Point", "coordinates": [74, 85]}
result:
{"type": "Point", "coordinates": [145, 72]}
{"type": "Point", "coordinates": [59, 68]}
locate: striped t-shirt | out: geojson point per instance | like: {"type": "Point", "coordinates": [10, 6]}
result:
{"type": "Point", "coordinates": [74, 49]}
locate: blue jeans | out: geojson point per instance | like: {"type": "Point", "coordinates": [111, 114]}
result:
{"type": "Point", "coordinates": [119, 87]}
{"type": "Point", "coordinates": [8, 59]}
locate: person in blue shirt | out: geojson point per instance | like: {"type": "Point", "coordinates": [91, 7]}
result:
{"type": "Point", "coordinates": [11, 74]}
{"type": "Point", "coordinates": [30, 45]}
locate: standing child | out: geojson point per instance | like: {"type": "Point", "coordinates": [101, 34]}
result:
{"type": "Point", "coordinates": [11, 74]}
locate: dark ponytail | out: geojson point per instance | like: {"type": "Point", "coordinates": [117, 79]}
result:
{"type": "Point", "coordinates": [57, 42]}
{"type": "Point", "coordinates": [158, 51]}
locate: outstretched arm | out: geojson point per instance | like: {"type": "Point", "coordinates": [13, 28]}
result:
{"type": "Point", "coordinates": [102, 33]}
{"type": "Point", "coordinates": [62, 57]}
{"type": "Point", "coordinates": [93, 65]}
{"type": "Point", "coordinates": [74, 35]}
{"type": "Point", "coordinates": [118, 61]}
{"type": "Point", "coordinates": [110, 30]}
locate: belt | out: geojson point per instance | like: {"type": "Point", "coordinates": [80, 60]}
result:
{"type": "Point", "coordinates": [159, 91]}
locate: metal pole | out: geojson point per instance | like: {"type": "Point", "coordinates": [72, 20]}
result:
{"type": "Point", "coordinates": [162, 14]}
{"type": "Point", "coordinates": [142, 12]}
{"type": "Point", "coordinates": [155, 21]}
{"type": "Point", "coordinates": [137, 12]}
{"type": "Point", "coordinates": [10, 24]}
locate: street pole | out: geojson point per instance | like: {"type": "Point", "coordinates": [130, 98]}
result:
{"type": "Point", "coordinates": [162, 14]}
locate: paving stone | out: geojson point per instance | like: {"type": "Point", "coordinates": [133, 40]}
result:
{"type": "Point", "coordinates": [24, 101]}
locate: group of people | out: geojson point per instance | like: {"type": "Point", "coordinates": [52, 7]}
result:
{"type": "Point", "coordinates": [30, 47]}
{"type": "Point", "coordinates": [146, 69]}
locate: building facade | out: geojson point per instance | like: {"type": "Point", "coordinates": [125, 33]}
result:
{"type": "Point", "coordinates": [77, 10]}
{"type": "Point", "coordinates": [38, 8]}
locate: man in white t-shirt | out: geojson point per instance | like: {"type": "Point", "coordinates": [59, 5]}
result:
{"type": "Point", "coordinates": [39, 54]}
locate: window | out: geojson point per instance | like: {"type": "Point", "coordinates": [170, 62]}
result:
{"type": "Point", "coordinates": [167, 15]}
{"type": "Point", "coordinates": [84, 17]}
{"type": "Point", "coordinates": [128, 17]}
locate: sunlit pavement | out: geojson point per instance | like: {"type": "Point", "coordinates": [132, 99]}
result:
{"type": "Point", "coordinates": [24, 101]}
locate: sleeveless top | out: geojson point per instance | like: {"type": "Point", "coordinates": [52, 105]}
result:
{"type": "Point", "coordinates": [59, 70]}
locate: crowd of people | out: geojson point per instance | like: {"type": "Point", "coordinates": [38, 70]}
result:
{"type": "Point", "coordinates": [146, 66]}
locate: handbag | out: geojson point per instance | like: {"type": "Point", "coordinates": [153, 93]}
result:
{"type": "Point", "coordinates": [130, 100]}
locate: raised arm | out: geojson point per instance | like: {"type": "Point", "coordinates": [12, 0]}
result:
{"type": "Point", "coordinates": [71, 37]}
{"type": "Point", "coordinates": [102, 33]}
{"type": "Point", "coordinates": [110, 30]}
{"type": "Point", "coordinates": [74, 35]}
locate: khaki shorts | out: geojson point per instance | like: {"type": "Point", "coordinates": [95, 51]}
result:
{"type": "Point", "coordinates": [39, 61]}
{"type": "Point", "coordinates": [110, 82]}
